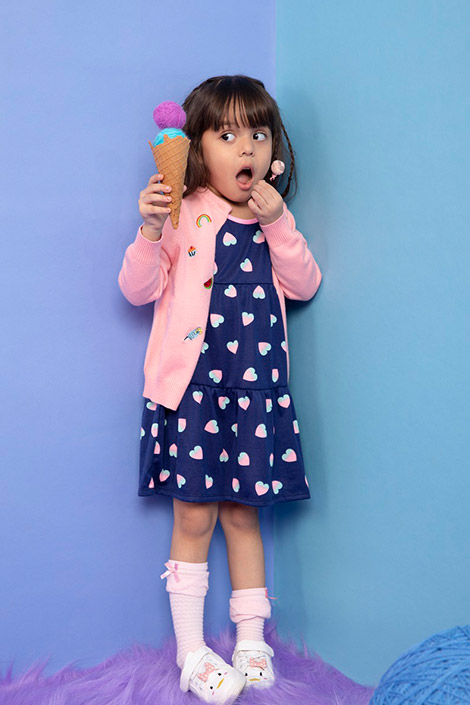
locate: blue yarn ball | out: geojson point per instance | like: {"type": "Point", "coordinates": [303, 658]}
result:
{"type": "Point", "coordinates": [435, 672]}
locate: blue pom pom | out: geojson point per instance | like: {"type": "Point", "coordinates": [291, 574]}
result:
{"type": "Point", "coordinates": [435, 672]}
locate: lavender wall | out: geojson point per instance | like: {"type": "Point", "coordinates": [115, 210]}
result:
{"type": "Point", "coordinates": [81, 554]}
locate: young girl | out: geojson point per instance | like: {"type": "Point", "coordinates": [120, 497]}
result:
{"type": "Point", "coordinates": [219, 429]}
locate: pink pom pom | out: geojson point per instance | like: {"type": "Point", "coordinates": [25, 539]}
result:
{"type": "Point", "coordinates": [169, 114]}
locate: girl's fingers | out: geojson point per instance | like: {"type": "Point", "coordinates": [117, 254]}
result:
{"type": "Point", "coordinates": [158, 209]}
{"type": "Point", "coordinates": [155, 198]}
{"type": "Point", "coordinates": [154, 178]}
{"type": "Point", "coordinates": [261, 198]}
{"type": "Point", "coordinates": [154, 210]}
{"type": "Point", "coordinates": [254, 206]}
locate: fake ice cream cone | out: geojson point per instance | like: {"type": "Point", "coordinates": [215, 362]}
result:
{"type": "Point", "coordinates": [170, 150]}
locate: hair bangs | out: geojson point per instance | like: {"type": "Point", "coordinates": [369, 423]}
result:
{"type": "Point", "coordinates": [240, 102]}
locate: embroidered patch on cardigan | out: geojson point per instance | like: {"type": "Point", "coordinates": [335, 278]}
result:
{"type": "Point", "coordinates": [203, 218]}
{"type": "Point", "coordinates": [194, 333]}
{"type": "Point", "coordinates": [208, 283]}
{"type": "Point", "coordinates": [192, 251]}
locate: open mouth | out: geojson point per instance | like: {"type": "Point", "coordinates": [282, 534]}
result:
{"type": "Point", "coordinates": [245, 176]}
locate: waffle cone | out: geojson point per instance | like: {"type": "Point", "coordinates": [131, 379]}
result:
{"type": "Point", "coordinates": [171, 159]}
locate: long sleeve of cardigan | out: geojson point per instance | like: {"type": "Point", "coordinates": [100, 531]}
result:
{"type": "Point", "coordinates": [298, 273]}
{"type": "Point", "coordinates": [144, 272]}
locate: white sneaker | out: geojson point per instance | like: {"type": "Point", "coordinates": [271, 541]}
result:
{"type": "Point", "coordinates": [253, 659]}
{"type": "Point", "coordinates": [207, 675]}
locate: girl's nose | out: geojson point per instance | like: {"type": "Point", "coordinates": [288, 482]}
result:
{"type": "Point", "coordinates": [246, 146]}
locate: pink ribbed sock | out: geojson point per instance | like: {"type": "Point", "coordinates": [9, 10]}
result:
{"type": "Point", "coordinates": [187, 584]}
{"type": "Point", "coordinates": [248, 609]}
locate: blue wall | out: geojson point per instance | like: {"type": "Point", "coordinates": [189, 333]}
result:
{"type": "Point", "coordinates": [377, 102]}
{"type": "Point", "coordinates": [81, 554]}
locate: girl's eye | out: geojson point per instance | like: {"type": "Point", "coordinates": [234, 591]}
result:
{"type": "Point", "coordinates": [260, 136]}
{"type": "Point", "coordinates": [228, 137]}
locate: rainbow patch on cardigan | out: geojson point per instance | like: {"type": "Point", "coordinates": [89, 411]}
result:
{"type": "Point", "coordinates": [208, 283]}
{"type": "Point", "coordinates": [203, 218]}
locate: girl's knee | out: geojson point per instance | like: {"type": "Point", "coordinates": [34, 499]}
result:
{"type": "Point", "coordinates": [195, 518]}
{"type": "Point", "coordinates": [234, 516]}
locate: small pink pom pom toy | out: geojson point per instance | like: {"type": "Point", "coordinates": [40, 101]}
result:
{"type": "Point", "coordinates": [278, 168]}
{"type": "Point", "coordinates": [170, 150]}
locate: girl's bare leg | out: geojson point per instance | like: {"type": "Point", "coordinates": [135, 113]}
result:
{"type": "Point", "coordinates": [245, 551]}
{"type": "Point", "coordinates": [193, 526]}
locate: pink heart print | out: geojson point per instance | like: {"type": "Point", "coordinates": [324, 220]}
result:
{"type": "Point", "coordinates": [196, 453]}
{"type": "Point", "coordinates": [229, 239]}
{"type": "Point", "coordinates": [250, 375]}
{"type": "Point", "coordinates": [232, 345]}
{"type": "Point", "coordinates": [223, 401]}
{"type": "Point", "coordinates": [230, 291]}
{"type": "Point", "coordinates": [216, 319]}
{"type": "Point", "coordinates": [212, 426]}
{"type": "Point", "coordinates": [261, 488]}
{"type": "Point", "coordinates": [244, 402]}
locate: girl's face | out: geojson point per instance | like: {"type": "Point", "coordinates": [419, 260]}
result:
{"type": "Point", "coordinates": [236, 158]}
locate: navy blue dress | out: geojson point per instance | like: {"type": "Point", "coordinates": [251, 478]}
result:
{"type": "Point", "coordinates": [234, 435]}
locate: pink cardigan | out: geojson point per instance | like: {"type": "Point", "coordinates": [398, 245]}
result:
{"type": "Point", "coordinates": [180, 284]}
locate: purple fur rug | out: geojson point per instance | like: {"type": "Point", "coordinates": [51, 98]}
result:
{"type": "Point", "coordinates": [141, 675]}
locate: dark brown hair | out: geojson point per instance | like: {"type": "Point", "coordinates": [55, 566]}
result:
{"type": "Point", "coordinates": [207, 107]}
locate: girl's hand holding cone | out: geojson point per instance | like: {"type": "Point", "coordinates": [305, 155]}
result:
{"type": "Point", "coordinates": [154, 207]}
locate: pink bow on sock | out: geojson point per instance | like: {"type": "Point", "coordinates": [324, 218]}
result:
{"type": "Point", "coordinates": [171, 569]}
